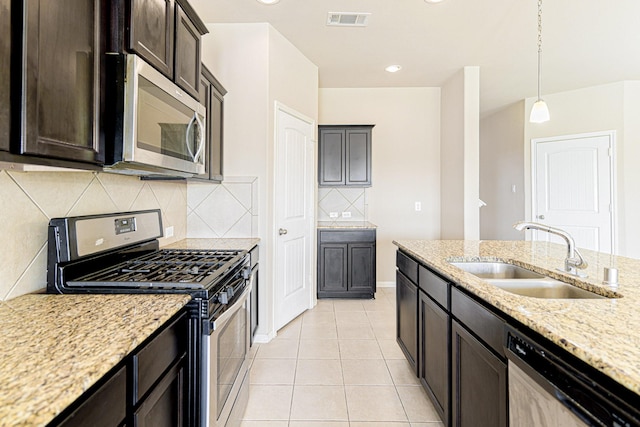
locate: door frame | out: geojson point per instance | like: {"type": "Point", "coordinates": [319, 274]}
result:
{"type": "Point", "coordinates": [611, 134]}
{"type": "Point", "coordinates": [278, 108]}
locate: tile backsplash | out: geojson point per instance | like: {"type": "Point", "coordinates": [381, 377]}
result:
{"type": "Point", "coordinates": [30, 199]}
{"type": "Point", "coordinates": [226, 210]}
{"type": "Point", "coordinates": [341, 200]}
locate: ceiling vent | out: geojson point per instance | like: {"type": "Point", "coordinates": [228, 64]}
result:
{"type": "Point", "coordinates": [348, 19]}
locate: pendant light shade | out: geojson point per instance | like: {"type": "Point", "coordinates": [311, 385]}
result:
{"type": "Point", "coordinates": [539, 111]}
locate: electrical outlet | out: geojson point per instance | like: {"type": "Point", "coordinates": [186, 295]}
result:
{"type": "Point", "coordinates": [418, 206]}
{"type": "Point", "coordinates": [346, 214]}
{"type": "Point", "coordinates": [168, 232]}
{"type": "Point", "coordinates": [333, 214]}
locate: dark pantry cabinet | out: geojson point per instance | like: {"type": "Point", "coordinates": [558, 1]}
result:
{"type": "Point", "coordinates": [57, 58]}
{"type": "Point", "coordinates": [155, 378]}
{"type": "Point", "coordinates": [344, 156]}
{"type": "Point", "coordinates": [346, 263]}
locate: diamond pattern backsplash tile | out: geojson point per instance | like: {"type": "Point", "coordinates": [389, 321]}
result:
{"type": "Point", "coordinates": [339, 200]}
{"type": "Point", "coordinates": [30, 199]}
{"type": "Point", "coordinates": [222, 210]}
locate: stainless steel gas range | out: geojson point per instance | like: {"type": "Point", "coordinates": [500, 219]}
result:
{"type": "Point", "coordinates": [119, 253]}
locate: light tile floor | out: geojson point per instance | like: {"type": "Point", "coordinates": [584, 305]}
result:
{"type": "Point", "coordinates": [337, 365]}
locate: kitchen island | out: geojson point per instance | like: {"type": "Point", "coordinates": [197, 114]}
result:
{"type": "Point", "coordinates": [604, 333]}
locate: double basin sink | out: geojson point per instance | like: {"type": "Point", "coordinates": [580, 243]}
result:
{"type": "Point", "coordinates": [521, 281]}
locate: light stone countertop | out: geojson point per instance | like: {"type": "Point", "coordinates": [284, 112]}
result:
{"type": "Point", "coordinates": [605, 333]}
{"type": "Point", "coordinates": [245, 244]}
{"type": "Point", "coordinates": [54, 347]}
{"type": "Point", "coordinates": [346, 225]}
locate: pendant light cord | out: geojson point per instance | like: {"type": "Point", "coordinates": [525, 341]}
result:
{"type": "Point", "coordinates": [539, 46]}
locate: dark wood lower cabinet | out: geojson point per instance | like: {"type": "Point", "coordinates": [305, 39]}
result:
{"type": "Point", "coordinates": [166, 404]}
{"type": "Point", "coordinates": [346, 263]}
{"type": "Point", "coordinates": [455, 345]}
{"type": "Point", "coordinates": [151, 388]}
{"type": "Point", "coordinates": [479, 382]}
{"type": "Point", "coordinates": [407, 318]}
{"type": "Point", "coordinates": [433, 353]}
{"type": "Point", "coordinates": [105, 408]}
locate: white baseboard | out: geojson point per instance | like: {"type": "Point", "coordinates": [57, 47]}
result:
{"type": "Point", "coordinates": [262, 338]}
{"type": "Point", "coordinates": [386, 284]}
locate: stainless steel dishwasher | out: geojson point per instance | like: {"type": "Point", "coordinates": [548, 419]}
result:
{"type": "Point", "coordinates": [547, 390]}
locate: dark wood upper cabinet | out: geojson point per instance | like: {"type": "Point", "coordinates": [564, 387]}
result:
{"type": "Point", "coordinates": [5, 74]}
{"type": "Point", "coordinates": [212, 97]}
{"type": "Point", "coordinates": [60, 57]}
{"type": "Point", "coordinates": [344, 157]}
{"type": "Point", "coordinates": [188, 41]}
{"type": "Point", "coordinates": [151, 32]}
{"type": "Point", "coordinates": [167, 34]}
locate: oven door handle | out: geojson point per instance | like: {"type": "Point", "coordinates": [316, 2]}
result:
{"type": "Point", "coordinates": [224, 317]}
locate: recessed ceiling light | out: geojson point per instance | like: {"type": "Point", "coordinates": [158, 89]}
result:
{"type": "Point", "coordinates": [268, 1]}
{"type": "Point", "coordinates": [393, 68]}
{"type": "Point", "coordinates": [434, 1]}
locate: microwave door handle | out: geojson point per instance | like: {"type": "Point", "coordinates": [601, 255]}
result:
{"type": "Point", "coordinates": [201, 144]}
{"type": "Point", "coordinates": [186, 136]}
{"type": "Point", "coordinates": [195, 119]}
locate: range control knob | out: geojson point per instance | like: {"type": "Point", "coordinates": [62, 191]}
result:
{"type": "Point", "coordinates": [230, 291]}
{"type": "Point", "coordinates": [223, 297]}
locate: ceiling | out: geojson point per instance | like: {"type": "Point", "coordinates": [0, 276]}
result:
{"type": "Point", "coordinates": [585, 42]}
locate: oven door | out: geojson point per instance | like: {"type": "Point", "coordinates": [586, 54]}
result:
{"type": "Point", "coordinates": [226, 366]}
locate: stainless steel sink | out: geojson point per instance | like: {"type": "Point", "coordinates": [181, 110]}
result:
{"type": "Point", "coordinates": [521, 281]}
{"type": "Point", "coordinates": [543, 288]}
{"type": "Point", "coordinates": [497, 270]}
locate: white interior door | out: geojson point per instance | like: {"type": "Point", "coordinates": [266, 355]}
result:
{"type": "Point", "coordinates": [573, 188]}
{"type": "Point", "coordinates": [294, 216]}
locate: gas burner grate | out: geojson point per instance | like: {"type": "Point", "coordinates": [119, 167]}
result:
{"type": "Point", "coordinates": [166, 268]}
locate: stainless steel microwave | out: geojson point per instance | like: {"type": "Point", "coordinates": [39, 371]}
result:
{"type": "Point", "coordinates": [151, 125]}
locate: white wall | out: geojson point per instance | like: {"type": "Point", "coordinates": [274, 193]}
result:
{"type": "Point", "coordinates": [501, 167]}
{"type": "Point", "coordinates": [629, 173]}
{"type": "Point", "coordinates": [592, 109]}
{"type": "Point", "coordinates": [258, 67]}
{"type": "Point", "coordinates": [460, 155]}
{"type": "Point", "coordinates": [405, 156]}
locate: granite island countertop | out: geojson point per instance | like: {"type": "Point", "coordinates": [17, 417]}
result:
{"type": "Point", "coordinates": [347, 225]}
{"type": "Point", "coordinates": [55, 347]}
{"type": "Point", "coordinates": [605, 333]}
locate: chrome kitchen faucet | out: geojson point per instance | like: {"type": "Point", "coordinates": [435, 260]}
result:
{"type": "Point", "coordinates": [574, 260]}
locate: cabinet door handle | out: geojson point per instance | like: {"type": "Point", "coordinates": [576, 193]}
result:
{"type": "Point", "coordinates": [282, 231]}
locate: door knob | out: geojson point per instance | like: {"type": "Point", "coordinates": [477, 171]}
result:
{"type": "Point", "coordinates": [282, 231]}
{"type": "Point", "coordinates": [540, 216]}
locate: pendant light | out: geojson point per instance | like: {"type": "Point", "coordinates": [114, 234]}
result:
{"type": "Point", "coordinates": [539, 111]}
